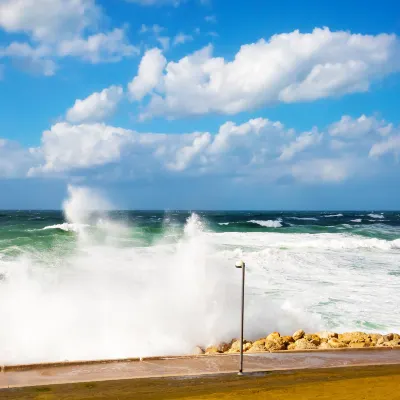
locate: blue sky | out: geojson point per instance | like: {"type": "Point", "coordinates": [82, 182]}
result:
{"type": "Point", "coordinates": [198, 104]}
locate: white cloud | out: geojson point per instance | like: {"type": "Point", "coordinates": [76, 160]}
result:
{"type": "Point", "coordinates": [252, 150]}
{"type": "Point", "coordinates": [211, 19]}
{"type": "Point", "coordinates": [321, 170]}
{"type": "Point", "coordinates": [289, 67]}
{"type": "Point", "coordinates": [302, 142]}
{"type": "Point", "coordinates": [391, 145]}
{"type": "Point", "coordinates": [149, 74]}
{"type": "Point", "coordinates": [164, 41]}
{"type": "Point", "coordinates": [59, 28]}
{"type": "Point", "coordinates": [48, 20]}
{"type": "Point", "coordinates": [15, 160]}
{"type": "Point", "coordinates": [95, 107]}
{"type": "Point", "coordinates": [349, 127]}
{"type": "Point", "coordinates": [156, 29]}
{"type": "Point", "coordinates": [67, 146]}
{"type": "Point", "coordinates": [101, 47]}
{"type": "Point", "coordinates": [32, 59]}
{"type": "Point", "coordinates": [181, 38]}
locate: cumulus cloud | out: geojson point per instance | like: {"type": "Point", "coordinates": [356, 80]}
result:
{"type": "Point", "coordinates": [62, 30]}
{"type": "Point", "coordinates": [289, 67]}
{"type": "Point", "coordinates": [325, 170]}
{"type": "Point", "coordinates": [259, 149]}
{"type": "Point", "coordinates": [181, 38]}
{"type": "Point", "coordinates": [302, 142]}
{"type": "Point", "coordinates": [96, 107]}
{"type": "Point", "coordinates": [15, 160]}
{"type": "Point", "coordinates": [101, 47]}
{"type": "Point", "coordinates": [149, 75]}
{"type": "Point", "coordinates": [391, 145]}
{"type": "Point", "coordinates": [349, 127]}
{"type": "Point", "coordinates": [48, 20]}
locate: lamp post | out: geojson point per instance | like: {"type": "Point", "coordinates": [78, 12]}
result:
{"type": "Point", "coordinates": [242, 265]}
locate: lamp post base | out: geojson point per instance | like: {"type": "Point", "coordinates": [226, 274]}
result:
{"type": "Point", "coordinates": [240, 373]}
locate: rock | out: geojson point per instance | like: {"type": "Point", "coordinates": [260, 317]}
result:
{"type": "Point", "coordinates": [374, 338]}
{"type": "Point", "coordinates": [223, 347]}
{"type": "Point", "coordinates": [396, 336]}
{"type": "Point", "coordinates": [274, 345]}
{"type": "Point", "coordinates": [358, 345]}
{"type": "Point", "coordinates": [298, 334]}
{"type": "Point", "coordinates": [303, 344]}
{"type": "Point", "coordinates": [212, 350]}
{"type": "Point", "coordinates": [390, 336]}
{"type": "Point", "coordinates": [273, 336]}
{"type": "Point", "coordinates": [197, 351]}
{"type": "Point", "coordinates": [336, 343]}
{"type": "Point", "coordinates": [393, 343]}
{"type": "Point", "coordinates": [354, 337]}
{"type": "Point", "coordinates": [235, 347]}
{"type": "Point", "coordinates": [327, 335]}
{"type": "Point", "coordinates": [314, 339]}
{"type": "Point", "coordinates": [382, 341]}
{"type": "Point", "coordinates": [324, 346]}
{"type": "Point", "coordinates": [292, 346]}
{"type": "Point", "coordinates": [257, 347]}
{"type": "Point", "coordinates": [287, 340]}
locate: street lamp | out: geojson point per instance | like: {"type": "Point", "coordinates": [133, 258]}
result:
{"type": "Point", "coordinates": [242, 265]}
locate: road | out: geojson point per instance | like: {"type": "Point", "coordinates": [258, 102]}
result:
{"type": "Point", "coordinates": [193, 366]}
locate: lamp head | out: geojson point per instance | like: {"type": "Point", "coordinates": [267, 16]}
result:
{"type": "Point", "coordinates": [240, 264]}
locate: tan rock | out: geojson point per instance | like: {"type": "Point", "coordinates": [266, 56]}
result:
{"type": "Point", "coordinates": [298, 334]}
{"type": "Point", "coordinates": [314, 339]}
{"type": "Point", "coordinates": [374, 338]}
{"type": "Point", "coordinates": [324, 346]}
{"type": "Point", "coordinates": [292, 346]}
{"type": "Point", "coordinates": [393, 343]}
{"type": "Point", "coordinates": [273, 336]}
{"type": "Point", "coordinates": [235, 347]}
{"type": "Point", "coordinates": [303, 344]}
{"type": "Point", "coordinates": [247, 346]}
{"type": "Point", "coordinates": [354, 337]}
{"type": "Point", "coordinates": [198, 350]}
{"type": "Point", "coordinates": [212, 350]}
{"type": "Point", "coordinates": [336, 343]}
{"type": "Point", "coordinates": [358, 345]}
{"type": "Point", "coordinates": [327, 335]}
{"type": "Point", "coordinates": [260, 342]}
{"type": "Point", "coordinates": [223, 347]}
{"type": "Point", "coordinates": [274, 345]}
{"type": "Point", "coordinates": [287, 340]}
{"type": "Point", "coordinates": [390, 336]}
{"type": "Point", "coordinates": [257, 347]}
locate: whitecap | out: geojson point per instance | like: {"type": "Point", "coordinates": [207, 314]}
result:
{"type": "Point", "coordinates": [267, 224]}
{"type": "Point", "coordinates": [67, 227]}
{"type": "Point", "coordinates": [333, 215]}
{"type": "Point", "coordinates": [376, 216]}
{"type": "Point", "coordinates": [358, 220]}
{"type": "Point", "coordinates": [304, 219]}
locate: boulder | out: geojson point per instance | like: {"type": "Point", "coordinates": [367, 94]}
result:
{"type": "Point", "coordinates": [324, 346]}
{"type": "Point", "coordinates": [287, 340]}
{"type": "Point", "coordinates": [298, 334]}
{"type": "Point", "coordinates": [223, 347]}
{"type": "Point", "coordinates": [212, 350]}
{"type": "Point", "coordinates": [327, 335]}
{"type": "Point", "coordinates": [257, 347]}
{"type": "Point", "coordinates": [354, 337]}
{"type": "Point", "coordinates": [390, 336]}
{"type": "Point", "coordinates": [358, 345]}
{"type": "Point", "coordinates": [336, 343]}
{"type": "Point", "coordinates": [274, 345]}
{"type": "Point", "coordinates": [303, 344]}
{"type": "Point", "coordinates": [197, 351]}
{"type": "Point", "coordinates": [235, 347]}
{"type": "Point", "coordinates": [273, 336]}
{"type": "Point", "coordinates": [314, 339]}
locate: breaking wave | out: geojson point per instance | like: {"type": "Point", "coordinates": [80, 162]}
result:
{"type": "Point", "coordinates": [267, 224]}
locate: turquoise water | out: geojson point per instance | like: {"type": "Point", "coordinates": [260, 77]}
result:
{"type": "Point", "coordinates": [128, 283]}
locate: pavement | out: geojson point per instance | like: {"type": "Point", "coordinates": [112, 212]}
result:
{"type": "Point", "coordinates": [37, 375]}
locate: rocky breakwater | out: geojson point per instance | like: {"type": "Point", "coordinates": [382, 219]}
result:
{"type": "Point", "coordinates": [305, 341]}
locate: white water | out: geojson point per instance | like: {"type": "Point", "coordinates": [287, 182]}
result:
{"type": "Point", "coordinates": [267, 224]}
{"type": "Point", "coordinates": [107, 299]}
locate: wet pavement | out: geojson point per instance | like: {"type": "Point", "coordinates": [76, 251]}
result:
{"type": "Point", "coordinates": [184, 366]}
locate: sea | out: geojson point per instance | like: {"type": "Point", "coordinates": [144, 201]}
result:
{"type": "Point", "coordinates": [94, 282]}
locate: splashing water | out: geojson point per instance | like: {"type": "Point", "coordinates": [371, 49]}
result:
{"type": "Point", "coordinates": [105, 294]}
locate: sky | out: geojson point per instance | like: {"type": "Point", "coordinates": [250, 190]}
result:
{"type": "Point", "coordinates": [201, 104]}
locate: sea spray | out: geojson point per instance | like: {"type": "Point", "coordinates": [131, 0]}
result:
{"type": "Point", "coordinates": [110, 296]}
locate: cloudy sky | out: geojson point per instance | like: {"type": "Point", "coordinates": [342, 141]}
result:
{"type": "Point", "coordinates": [196, 104]}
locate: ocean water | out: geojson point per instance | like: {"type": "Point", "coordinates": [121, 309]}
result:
{"type": "Point", "coordinates": [81, 284]}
